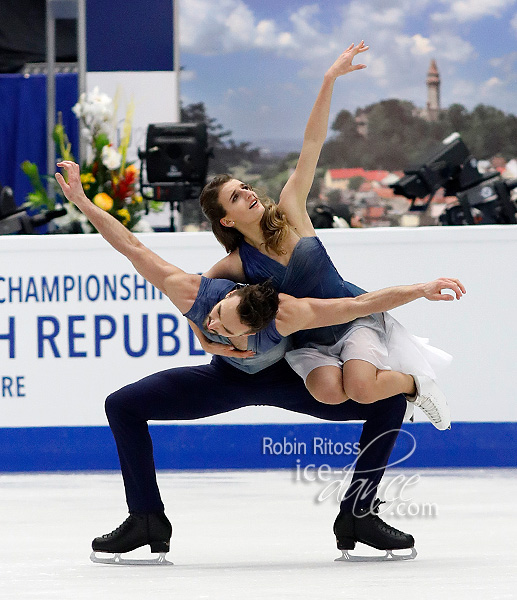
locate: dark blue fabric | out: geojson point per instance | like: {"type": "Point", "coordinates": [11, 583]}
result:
{"type": "Point", "coordinates": [194, 392]}
{"type": "Point", "coordinates": [309, 274]}
{"type": "Point", "coordinates": [127, 35]}
{"type": "Point", "coordinates": [23, 125]}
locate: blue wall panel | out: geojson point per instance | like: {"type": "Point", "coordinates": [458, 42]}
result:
{"type": "Point", "coordinates": [23, 125]}
{"type": "Point", "coordinates": [242, 446]}
{"type": "Point", "coordinates": [129, 35]}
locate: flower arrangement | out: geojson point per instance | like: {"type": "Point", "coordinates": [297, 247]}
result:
{"type": "Point", "coordinates": [109, 181]}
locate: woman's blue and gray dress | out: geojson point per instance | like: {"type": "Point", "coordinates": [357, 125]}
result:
{"type": "Point", "coordinates": [379, 339]}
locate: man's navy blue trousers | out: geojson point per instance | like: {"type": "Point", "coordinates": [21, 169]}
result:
{"type": "Point", "coordinates": [187, 393]}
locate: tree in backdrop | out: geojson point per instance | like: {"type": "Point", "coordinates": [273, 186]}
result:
{"type": "Point", "coordinates": [398, 135]}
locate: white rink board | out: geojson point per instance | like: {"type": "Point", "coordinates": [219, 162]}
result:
{"type": "Point", "coordinates": [41, 389]}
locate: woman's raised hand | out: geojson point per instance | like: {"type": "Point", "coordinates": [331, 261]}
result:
{"type": "Point", "coordinates": [343, 63]}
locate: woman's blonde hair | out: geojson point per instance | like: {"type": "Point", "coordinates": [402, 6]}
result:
{"type": "Point", "coordinates": [273, 223]}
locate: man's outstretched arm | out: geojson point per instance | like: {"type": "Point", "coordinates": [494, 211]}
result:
{"type": "Point", "coordinates": [295, 314]}
{"type": "Point", "coordinates": [179, 286]}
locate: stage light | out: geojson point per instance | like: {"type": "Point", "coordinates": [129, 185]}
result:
{"type": "Point", "coordinates": [176, 164]}
{"type": "Point", "coordinates": [14, 219]}
{"type": "Point", "coordinates": [177, 153]}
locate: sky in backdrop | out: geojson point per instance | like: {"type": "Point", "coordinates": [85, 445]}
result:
{"type": "Point", "coordinates": [258, 64]}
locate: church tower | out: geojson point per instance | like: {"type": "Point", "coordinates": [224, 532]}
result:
{"type": "Point", "coordinates": [433, 92]}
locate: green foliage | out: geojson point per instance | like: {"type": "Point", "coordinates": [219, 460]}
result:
{"type": "Point", "coordinates": [39, 197]}
{"type": "Point", "coordinates": [99, 142]}
{"type": "Point", "coordinates": [398, 135]}
{"type": "Point", "coordinates": [61, 140]}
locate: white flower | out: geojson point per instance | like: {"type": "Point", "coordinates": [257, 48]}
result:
{"type": "Point", "coordinates": [77, 109]}
{"type": "Point", "coordinates": [94, 108]}
{"type": "Point", "coordinates": [65, 224]}
{"type": "Point", "coordinates": [143, 227]}
{"type": "Point", "coordinates": [86, 134]}
{"type": "Point", "coordinates": [111, 159]}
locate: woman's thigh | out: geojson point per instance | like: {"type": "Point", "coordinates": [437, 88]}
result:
{"type": "Point", "coordinates": [326, 384]}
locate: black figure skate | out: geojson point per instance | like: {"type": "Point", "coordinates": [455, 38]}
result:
{"type": "Point", "coordinates": [137, 530]}
{"type": "Point", "coordinates": [367, 527]}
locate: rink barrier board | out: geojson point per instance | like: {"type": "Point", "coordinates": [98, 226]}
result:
{"type": "Point", "coordinates": [257, 446]}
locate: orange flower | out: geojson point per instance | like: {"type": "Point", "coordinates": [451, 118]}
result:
{"type": "Point", "coordinates": [124, 214]}
{"type": "Point", "coordinates": [103, 201]}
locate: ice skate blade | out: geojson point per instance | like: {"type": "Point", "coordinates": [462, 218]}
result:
{"type": "Point", "coordinates": [117, 559]}
{"type": "Point", "coordinates": [389, 556]}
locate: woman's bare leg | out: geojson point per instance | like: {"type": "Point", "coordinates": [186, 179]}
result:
{"type": "Point", "coordinates": [326, 385]}
{"type": "Point", "coordinates": [364, 383]}
{"type": "Point", "coordinates": [359, 380]}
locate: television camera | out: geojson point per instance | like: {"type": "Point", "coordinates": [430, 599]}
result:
{"type": "Point", "coordinates": [482, 199]}
{"type": "Point", "coordinates": [15, 219]}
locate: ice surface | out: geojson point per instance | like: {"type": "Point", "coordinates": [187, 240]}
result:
{"type": "Point", "coordinates": [256, 535]}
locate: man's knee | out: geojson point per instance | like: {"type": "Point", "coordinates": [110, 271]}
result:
{"type": "Point", "coordinates": [115, 403]}
{"type": "Point", "coordinates": [390, 410]}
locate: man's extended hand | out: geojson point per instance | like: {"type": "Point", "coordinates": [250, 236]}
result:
{"type": "Point", "coordinates": [72, 189]}
{"type": "Point", "coordinates": [433, 289]}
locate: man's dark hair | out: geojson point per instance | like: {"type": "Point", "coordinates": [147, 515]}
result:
{"type": "Point", "coordinates": [258, 305]}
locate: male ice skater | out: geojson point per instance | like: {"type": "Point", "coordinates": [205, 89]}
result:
{"type": "Point", "coordinates": [227, 383]}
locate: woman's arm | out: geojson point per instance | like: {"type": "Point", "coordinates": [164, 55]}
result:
{"type": "Point", "coordinates": [294, 194]}
{"type": "Point", "coordinates": [216, 348]}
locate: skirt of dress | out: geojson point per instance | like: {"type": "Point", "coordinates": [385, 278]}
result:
{"type": "Point", "coordinates": [383, 342]}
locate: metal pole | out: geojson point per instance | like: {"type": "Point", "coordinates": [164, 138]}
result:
{"type": "Point", "coordinates": [81, 64]}
{"type": "Point", "coordinates": [176, 56]}
{"type": "Point", "coordinates": [51, 88]}
{"type": "Point", "coordinates": [62, 9]}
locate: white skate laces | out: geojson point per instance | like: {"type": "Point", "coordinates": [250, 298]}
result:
{"type": "Point", "coordinates": [432, 401]}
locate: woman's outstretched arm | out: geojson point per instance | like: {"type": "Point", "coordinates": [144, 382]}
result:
{"type": "Point", "coordinates": [294, 195]}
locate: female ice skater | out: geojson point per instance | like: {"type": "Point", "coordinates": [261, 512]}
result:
{"type": "Point", "coordinates": [367, 360]}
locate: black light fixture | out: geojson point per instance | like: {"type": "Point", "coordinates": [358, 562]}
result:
{"type": "Point", "coordinates": [438, 166]}
{"type": "Point", "coordinates": [177, 152]}
{"type": "Point", "coordinates": [12, 218]}
{"type": "Point", "coordinates": [176, 163]}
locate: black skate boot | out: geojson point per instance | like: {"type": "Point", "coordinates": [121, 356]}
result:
{"type": "Point", "coordinates": [367, 527]}
{"type": "Point", "coordinates": [137, 530]}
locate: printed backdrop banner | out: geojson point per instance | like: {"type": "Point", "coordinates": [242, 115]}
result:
{"type": "Point", "coordinates": [77, 322]}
